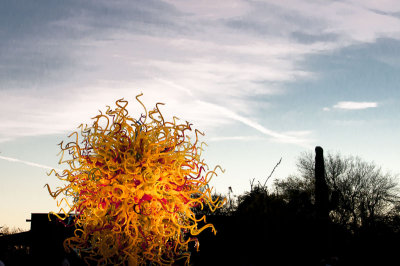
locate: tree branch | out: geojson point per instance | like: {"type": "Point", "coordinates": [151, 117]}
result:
{"type": "Point", "coordinates": [273, 170]}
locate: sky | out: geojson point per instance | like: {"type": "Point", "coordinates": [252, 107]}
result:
{"type": "Point", "coordinates": [263, 80]}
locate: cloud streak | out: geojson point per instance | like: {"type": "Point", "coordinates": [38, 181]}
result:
{"type": "Point", "coordinates": [296, 138]}
{"type": "Point", "coordinates": [9, 159]}
{"type": "Point", "coordinates": [65, 65]}
{"type": "Point", "coordinates": [355, 105]}
{"type": "Point", "coordinates": [235, 138]}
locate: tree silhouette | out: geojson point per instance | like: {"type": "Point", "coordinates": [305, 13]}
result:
{"type": "Point", "coordinates": [364, 206]}
{"type": "Point", "coordinates": [6, 230]}
{"type": "Point", "coordinates": [360, 192]}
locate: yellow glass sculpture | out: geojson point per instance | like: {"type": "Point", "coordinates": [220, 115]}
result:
{"type": "Point", "coordinates": [133, 185]}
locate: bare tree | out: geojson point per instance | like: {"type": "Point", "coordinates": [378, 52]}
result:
{"type": "Point", "coordinates": [360, 191]}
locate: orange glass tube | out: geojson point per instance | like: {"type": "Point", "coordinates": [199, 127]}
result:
{"type": "Point", "coordinates": [132, 186]}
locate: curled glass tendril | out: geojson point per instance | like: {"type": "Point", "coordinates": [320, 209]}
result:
{"type": "Point", "coordinates": [131, 186]}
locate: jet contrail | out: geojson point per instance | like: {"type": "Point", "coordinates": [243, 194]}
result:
{"type": "Point", "coordinates": [284, 138]}
{"type": "Point", "coordinates": [28, 163]}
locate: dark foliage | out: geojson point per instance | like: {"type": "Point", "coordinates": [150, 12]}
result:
{"type": "Point", "coordinates": [361, 194]}
{"type": "Point", "coordinates": [279, 226]}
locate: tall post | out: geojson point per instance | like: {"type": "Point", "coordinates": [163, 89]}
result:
{"type": "Point", "coordinates": [321, 205]}
{"type": "Point", "coordinates": [321, 188]}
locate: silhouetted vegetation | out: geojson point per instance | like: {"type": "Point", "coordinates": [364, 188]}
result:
{"type": "Point", "coordinates": [6, 230]}
{"type": "Point", "coordinates": [361, 194]}
{"type": "Point", "coordinates": [278, 225]}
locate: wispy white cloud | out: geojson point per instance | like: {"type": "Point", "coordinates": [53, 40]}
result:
{"type": "Point", "coordinates": [293, 137]}
{"type": "Point", "coordinates": [177, 52]}
{"type": "Point", "coordinates": [28, 163]}
{"type": "Point", "coordinates": [355, 105]}
{"type": "Point", "coordinates": [210, 9]}
{"type": "Point", "coordinates": [353, 21]}
{"type": "Point", "coordinates": [386, 6]}
{"type": "Point", "coordinates": [235, 138]}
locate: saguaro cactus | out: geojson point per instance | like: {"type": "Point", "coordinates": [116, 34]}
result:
{"type": "Point", "coordinates": [321, 204]}
{"type": "Point", "coordinates": [321, 188]}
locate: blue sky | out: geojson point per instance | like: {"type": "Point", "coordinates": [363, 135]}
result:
{"type": "Point", "coordinates": [262, 79]}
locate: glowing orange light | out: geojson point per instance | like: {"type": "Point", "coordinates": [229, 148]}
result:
{"type": "Point", "coordinates": [133, 185]}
